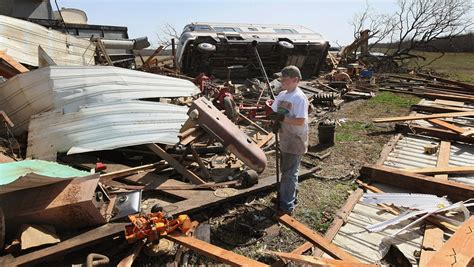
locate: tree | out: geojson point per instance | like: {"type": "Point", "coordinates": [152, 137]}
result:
{"type": "Point", "coordinates": [168, 32]}
{"type": "Point", "coordinates": [414, 25]}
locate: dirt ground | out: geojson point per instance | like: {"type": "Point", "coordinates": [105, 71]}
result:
{"type": "Point", "coordinates": [249, 227]}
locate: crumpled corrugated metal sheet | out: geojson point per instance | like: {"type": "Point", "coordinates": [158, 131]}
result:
{"type": "Point", "coordinates": [68, 88]}
{"type": "Point", "coordinates": [104, 126]}
{"type": "Point", "coordinates": [33, 173]}
{"type": "Point", "coordinates": [20, 40]}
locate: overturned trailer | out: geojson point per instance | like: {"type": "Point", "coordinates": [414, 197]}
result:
{"type": "Point", "coordinates": [223, 49]}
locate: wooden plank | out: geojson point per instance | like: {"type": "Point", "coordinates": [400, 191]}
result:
{"type": "Point", "coordinates": [131, 171]}
{"type": "Point", "coordinates": [448, 81]}
{"type": "Point", "coordinates": [447, 125]}
{"type": "Point", "coordinates": [150, 58]}
{"type": "Point", "coordinates": [418, 182]}
{"type": "Point", "coordinates": [443, 158]}
{"type": "Point", "coordinates": [387, 148]}
{"type": "Point", "coordinates": [459, 249]}
{"type": "Point", "coordinates": [317, 261]}
{"type": "Point", "coordinates": [443, 170]}
{"type": "Point", "coordinates": [463, 98]}
{"type": "Point", "coordinates": [74, 243]}
{"type": "Point", "coordinates": [432, 241]}
{"type": "Point", "coordinates": [434, 132]}
{"type": "Point", "coordinates": [437, 108]}
{"type": "Point", "coordinates": [316, 239]}
{"type": "Point", "coordinates": [211, 251]}
{"type": "Point", "coordinates": [253, 123]}
{"type": "Point", "coordinates": [298, 251]}
{"type": "Point", "coordinates": [449, 103]}
{"type": "Point", "coordinates": [204, 199]}
{"type": "Point", "coordinates": [265, 140]}
{"type": "Point", "coordinates": [342, 215]}
{"type": "Point", "coordinates": [176, 165]}
{"type": "Point", "coordinates": [15, 64]}
{"type": "Point", "coordinates": [204, 170]}
{"type": "Point", "coordinates": [425, 117]}
{"type": "Point", "coordinates": [6, 118]}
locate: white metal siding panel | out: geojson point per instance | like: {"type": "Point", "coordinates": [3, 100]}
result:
{"type": "Point", "coordinates": [104, 126]}
{"type": "Point", "coordinates": [70, 87]}
{"type": "Point", "coordinates": [20, 40]}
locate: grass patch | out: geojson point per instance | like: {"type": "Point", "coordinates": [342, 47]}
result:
{"type": "Point", "coordinates": [319, 211]}
{"type": "Point", "coordinates": [353, 131]}
{"type": "Point", "coordinates": [392, 100]}
{"type": "Point", "coordinates": [458, 66]}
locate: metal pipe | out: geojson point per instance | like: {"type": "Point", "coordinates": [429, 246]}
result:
{"type": "Point", "coordinates": [254, 44]}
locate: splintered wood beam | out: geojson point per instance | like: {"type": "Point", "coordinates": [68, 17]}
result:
{"type": "Point", "coordinates": [149, 59]}
{"type": "Point", "coordinates": [443, 158]}
{"type": "Point", "coordinates": [212, 251]}
{"type": "Point", "coordinates": [443, 170]}
{"type": "Point", "coordinates": [316, 239]}
{"type": "Point", "coordinates": [459, 249]}
{"type": "Point", "coordinates": [417, 183]}
{"type": "Point", "coordinates": [425, 117]}
{"type": "Point", "coordinates": [130, 171]}
{"type": "Point", "coordinates": [176, 165]}
{"type": "Point", "coordinates": [317, 261]}
{"type": "Point", "coordinates": [447, 125]}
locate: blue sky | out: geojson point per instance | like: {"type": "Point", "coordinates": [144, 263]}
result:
{"type": "Point", "coordinates": [147, 18]}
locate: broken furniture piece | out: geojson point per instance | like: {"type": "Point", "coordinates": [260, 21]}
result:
{"type": "Point", "coordinates": [204, 115]}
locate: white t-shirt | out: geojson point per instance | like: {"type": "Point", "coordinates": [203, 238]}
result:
{"type": "Point", "coordinates": [293, 138]}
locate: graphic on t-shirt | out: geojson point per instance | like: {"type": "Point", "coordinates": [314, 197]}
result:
{"type": "Point", "coordinates": [284, 107]}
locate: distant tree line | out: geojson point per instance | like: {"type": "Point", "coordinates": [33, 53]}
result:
{"type": "Point", "coordinates": [460, 43]}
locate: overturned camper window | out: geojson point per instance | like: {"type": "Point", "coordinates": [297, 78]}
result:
{"type": "Point", "coordinates": [285, 31]}
{"type": "Point", "coordinates": [253, 29]}
{"type": "Point", "coordinates": [227, 29]}
{"type": "Point", "coordinates": [193, 28]}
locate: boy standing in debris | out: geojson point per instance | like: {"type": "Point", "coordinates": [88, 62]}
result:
{"type": "Point", "coordinates": [290, 119]}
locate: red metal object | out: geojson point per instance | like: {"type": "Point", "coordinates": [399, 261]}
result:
{"type": "Point", "coordinates": [202, 81]}
{"type": "Point", "coordinates": [99, 166]}
{"type": "Point", "coordinates": [154, 225]}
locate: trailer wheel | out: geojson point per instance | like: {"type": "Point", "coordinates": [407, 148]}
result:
{"type": "Point", "coordinates": [206, 47]}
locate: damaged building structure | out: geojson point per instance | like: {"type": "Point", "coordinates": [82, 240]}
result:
{"type": "Point", "coordinates": [106, 155]}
